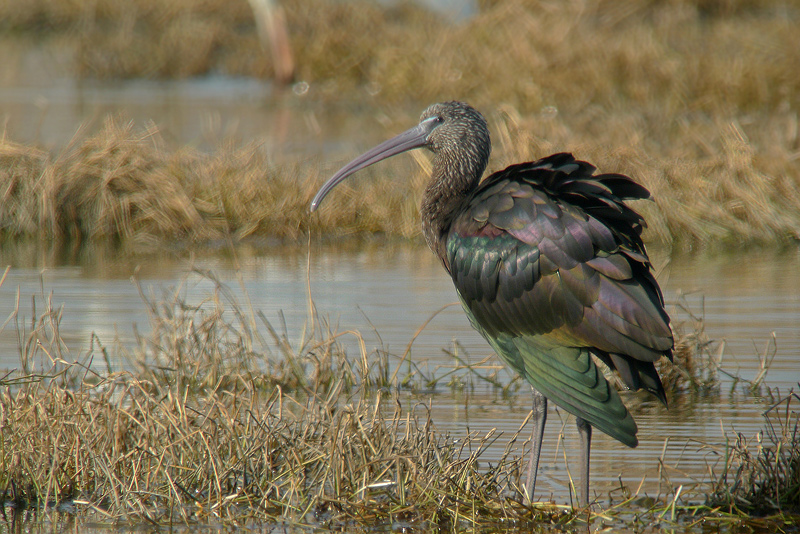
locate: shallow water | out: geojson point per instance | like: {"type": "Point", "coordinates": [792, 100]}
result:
{"type": "Point", "coordinates": [388, 292]}
{"type": "Point", "coordinates": [42, 103]}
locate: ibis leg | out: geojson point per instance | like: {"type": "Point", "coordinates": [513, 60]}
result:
{"type": "Point", "coordinates": [539, 419]}
{"type": "Point", "coordinates": [585, 433]}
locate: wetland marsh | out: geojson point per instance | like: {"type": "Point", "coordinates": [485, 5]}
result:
{"type": "Point", "coordinates": [183, 344]}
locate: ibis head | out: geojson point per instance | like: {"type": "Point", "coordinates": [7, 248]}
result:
{"type": "Point", "coordinates": [452, 130]}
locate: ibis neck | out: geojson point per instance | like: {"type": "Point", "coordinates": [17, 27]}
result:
{"type": "Point", "coordinates": [445, 197]}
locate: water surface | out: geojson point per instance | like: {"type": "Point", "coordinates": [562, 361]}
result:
{"type": "Point", "coordinates": [387, 292]}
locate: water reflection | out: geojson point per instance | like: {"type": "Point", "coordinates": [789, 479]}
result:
{"type": "Point", "coordinates": [396, 288]}
{"type": "Point", "coordinates": [42, 102]}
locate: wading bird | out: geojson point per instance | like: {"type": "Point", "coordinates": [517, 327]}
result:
{"type": "Point", "coordinates": [550, 267]}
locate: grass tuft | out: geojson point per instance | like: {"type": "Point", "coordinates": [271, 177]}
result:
{"type": "Point", "coordinates": [762, 476]}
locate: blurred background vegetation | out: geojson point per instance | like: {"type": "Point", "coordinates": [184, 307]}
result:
{"type": "Point", "coordinates": [697, 99]}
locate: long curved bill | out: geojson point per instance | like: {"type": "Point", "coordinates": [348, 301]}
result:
{"type": "Point", "coordinates": [413, 138]}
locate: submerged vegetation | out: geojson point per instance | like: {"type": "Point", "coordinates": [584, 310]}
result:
{"type": "Point", "coordinates": [696, 99]}
{"type": "Point", "coordinates": [211, 422]}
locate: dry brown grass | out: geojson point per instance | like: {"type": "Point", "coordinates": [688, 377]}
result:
{"type": "Point", "coordinates": [219, 418]}
{"type": "Point", "coordinates": [662, 59]}
{"type": "Point", "coordinates": [127, 186]}
{"type": "Point", "coordinates": [124, 185]}
{"type": "Point", "coordinates": [695, 368]}
{"type": "Point", "coordinates": [761, 474]}
{"type": "Point", "coordinates": [215, 424]}
{"type": "Point", "coordinates": [697, 99]}
{"type": "Point", "coordinates": [142, 38]}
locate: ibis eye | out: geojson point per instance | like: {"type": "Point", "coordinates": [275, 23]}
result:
{"type": "Point", "coordinates": [435, 120]}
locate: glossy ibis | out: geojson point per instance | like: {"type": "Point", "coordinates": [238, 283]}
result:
{"type": "Point", "coordinates": [550, 267]}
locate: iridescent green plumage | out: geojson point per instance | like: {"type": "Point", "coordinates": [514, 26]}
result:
{"type": "Point", "coordinates": [549, 266]}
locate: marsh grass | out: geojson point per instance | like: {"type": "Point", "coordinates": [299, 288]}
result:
{"type": "Point", "coordinates": [761, 474]}
{"type": "Point", "coordinates": [124, 185]}
{"type": "Point", "coordinates": [215, 423]}
{"type": "Point", "coordinates": [696, 357]}
{"type": "Point", "coordinates": [218, 417]}
{"type": "Point", "coordinates": [684, 56]}
{"type": "Point", "coordinates": [751, 482]}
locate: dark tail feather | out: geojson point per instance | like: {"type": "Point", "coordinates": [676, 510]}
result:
{"type": "Point", "coordinates": [636, 374]}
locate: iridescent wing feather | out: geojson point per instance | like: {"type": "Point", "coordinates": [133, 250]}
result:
{"type": "Point", "coordinates": [549, 265]}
